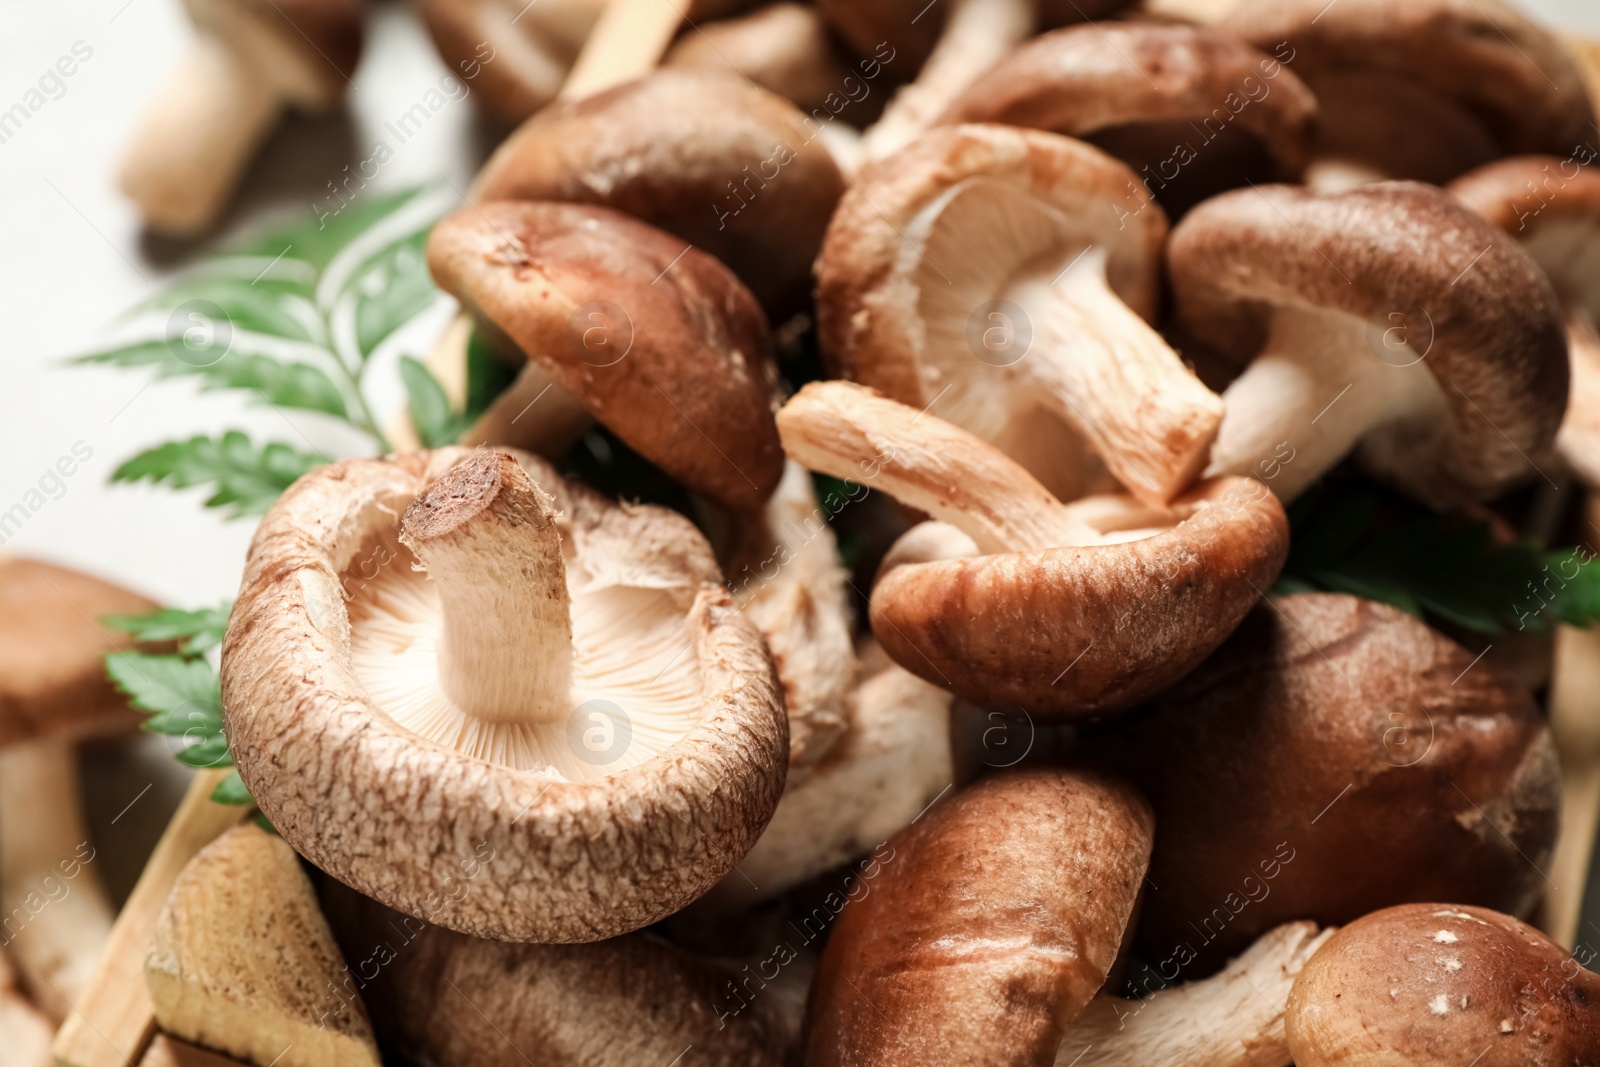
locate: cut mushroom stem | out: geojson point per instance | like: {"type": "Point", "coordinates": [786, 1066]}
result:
{"type": "Point", "coordinates": [627, 42]}
{"type": "Point", "coordinates": [55, 916]}
{"type": "Point", "coordinates": [1318, 386]}
{"type": "Point", "coordinates": [977, 35]}
{"type": "Point", "coordinates": [488, 536]}
{"type": "Point", "coordinates": [1232, 1019]}
{"type": "Point", "coordinates": [852, 432]}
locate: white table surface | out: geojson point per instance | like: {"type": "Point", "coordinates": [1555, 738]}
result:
{"type": "Point", "coordinates": [72, 257]}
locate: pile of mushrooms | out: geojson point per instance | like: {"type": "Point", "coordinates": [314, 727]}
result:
{"type": "Point", "coordinates": [986, 350]}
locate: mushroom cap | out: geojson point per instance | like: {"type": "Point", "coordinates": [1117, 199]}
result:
{"type": "Point", "coordinates": [934, 232]}
{"type": "Point", "coordinates": [783, 47]}
{"type": "Point", "coordinates": [310, 46]}
{"type": "Point", "coordinates": [1441, 985]}
{"type": "Point", "coordinates": [1081, 631]}
{"type": "Point", "coordinates": [562, 851]}
{"type": "Point", "coordinates": [53, 645]}
{"type": "Point", "coordinates": [532, 47]}
{"type": "Point", "coordinates": [981, 930]}
{"type": "Point", "coordinates": [656, 338]}
{"type": "Point", "coordinates": [1497, 347]}
{"type": "Point", "coordinates": [729, 167]}
{"type": "Point", "coordinates": [1085, 80]}
{"type": "Point", "coordinates": [1551, 206]}
{"type": "Point", "coordinates": [1505, 70]}
{"type": "Point", "coordinates": [1336, 755]}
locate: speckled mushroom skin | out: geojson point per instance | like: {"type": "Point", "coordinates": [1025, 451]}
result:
{"type": "Point", "coordinates": [1436, 985]}
{"type": "Point", "coordinates": [1084, 79]}
{"type": "Point", "coordinates": [1506, 70]}
{"type": "Point", "coordinates": [1080, 632]}
{"type": "Point", "coordinates": [1335, 756]}
{"type": "Point", "coordinates": [984, 927]}
{"type": "Point", "coordinates": [692, 389]}
{"type": "Point", "coordinates": [455, 840]}
{"type": "Point", "coordinates": [664, 149]}
{"type": "Point", "coordinates": [1498, 345]}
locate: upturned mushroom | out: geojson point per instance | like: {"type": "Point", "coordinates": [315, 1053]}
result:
{"type": "Point", "coordinates": [1335, 756]}
{"type": "Point", "coordinates": [54, 913]}
{"type": "Point", "coordinates": [1388, 320]}
{"type": "Point", "coordinates": [657, 339]}
{"type": "Point", "coordinates": [514, 54]}
{"type": "Point", "coordinates": [1005, 276]}
{"type": "Point", "coordinates": [250, 62]}
{"type": "Point", "coordinates": [784, 48]}
{"type": "Point", "coordinates": [1193, 110]}
{"type": "Point", "coordinates": [1552, 207]}
{"type": "Point", "coordinates": [554, 728]}
{"type": "Point", "coordinates": [987, 926]}
{"type": "Point", "coordinates": [1423, 90]}
{"type": "Point", "coordinates": [1232, 1019]}
{"type": "Point", "coordinates": [1069, 611]}
{"type": "Point", "coordinates": [754, 188]}
{"type": "Point", "coordinates": [1440, 985]}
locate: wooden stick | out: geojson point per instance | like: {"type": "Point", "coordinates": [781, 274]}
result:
{"type": "Point", "coordinates": [112, 1022]}
{"type": "Point", "coordinates": [627, 42]}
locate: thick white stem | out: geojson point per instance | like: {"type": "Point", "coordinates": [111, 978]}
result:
{"type": "Point", "coordinates": [487, 535]}
{"type": "Point", "coordinates": [852, 432]}
{"type": "Point", "coordinates": [1316, 389]}
{"type": "Point", "coordinates": [196, 137]}
{"type": "Point", "coordinates": [977, 35]}
{"type": "Point", "coordinates": [54, 915]}
{"type": "Point", "coordinates": [628, 41]}
{"type": "Point", "coordinates": [1232, 1019]}
{"type": "Point", "coordinates": [1106, 372]}
{"type": "Point", "coordinates": [26, 1031]}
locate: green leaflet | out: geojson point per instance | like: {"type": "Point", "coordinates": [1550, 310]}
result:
{"type": "Point", "coordinates": [247, 478]}
{"type": "Point", "coordinates": [222, 360]}
{"type": "Point", "coordinates": [198, 631]}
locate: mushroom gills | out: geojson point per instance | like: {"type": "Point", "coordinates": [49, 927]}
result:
{"type": "Point", "coordinates": [1054, 335]}
{"type": "Point", "coordinates": [1319, 386]}
{"type": "Point", "coordinates": [508, 645]}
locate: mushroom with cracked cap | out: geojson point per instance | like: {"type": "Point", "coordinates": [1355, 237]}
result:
{"type": "Point", "coordinates": [252, 59]}
{"type": "Point", "coordinates": [987, 926]}
{"type": "Point", "coordinates": [1425, 89]}
{"type": "Point", "coordinates": [655, 338]}
{"type": "Point", "coordinates": [1004, 276]}
{"type": "Point", "coordinates": [1193, 110]}
{"type": "Point", "coordinates": [1069, 611]}
{"type": "Point", "coordinates": [560, 730]}
{"type": "Point", "coordinates": [1389, 319]}
{"type": "Point", "coordinates": [1336, 755]}
{"type": "Point", "coordinates": [54, 914]}
{"type": "Point", "coordinates": [1440, 985]}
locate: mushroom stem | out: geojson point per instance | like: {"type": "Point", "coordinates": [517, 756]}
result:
{"type": "Point", "coordinates": [27, 1032]}
{"type": "Point", "coordinates": [852, 432]}
{"type": "Point", "coordinates": [1232, 1019]}
{"type": "Point", "coordinates": [1578, 440]}
{"type": "Point", "coordinates": [1317, 387]}
{"type": "Point", "coordinates": [54, 916]}
{"type": "Point", "coordinates": [627, 42]}
{"type": "Point", "coordinates": [487, 534]}
{"type": "Point", "coordinates": [1104, 371]}
{"type": "Point", "coordinates": [197, 136]}
{"type": "Point", "coordinates": [977, 35]}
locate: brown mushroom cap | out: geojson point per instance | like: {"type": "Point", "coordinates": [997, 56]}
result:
{"type": "Point", "coordinates": [783, 47]}
{"type": "Point", "coordinates": [514, 54]}
{"type": "Point", "coordinates": [1073, 611]}
{"type": "Point", "coordinates": [1336, 756]}
{"type": "Point", "coordinates": [973, 229]}
{"type": "Point", "coordinates": [980, 931]}
{"type": "Point", "coordinates": [655, 337]}
{"type": "Point", "coordinates": [53, 645]}
{"type": "Point", "coordinates": [490, 811]}
{"type": "Point", "coordinates": [1169, 99]}
{"type": "Point", "coordinates": [1387, 74]}
{"type": "Point", "coordinates": [309, 48]}
{"type": "Point", "coordinates": [1322, 283]}
{"type": "Point", "coordinates": [727, 166]}
{"type": "Point", "coordinates": [1440, 985]}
